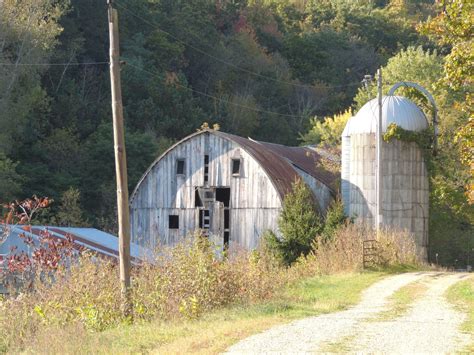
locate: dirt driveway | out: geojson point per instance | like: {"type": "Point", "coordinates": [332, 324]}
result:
{"type": "Point", "coordinates": [431, 324]}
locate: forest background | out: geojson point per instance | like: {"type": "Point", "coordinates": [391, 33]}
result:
{"type": "Point", "coordinates": [285, 71]}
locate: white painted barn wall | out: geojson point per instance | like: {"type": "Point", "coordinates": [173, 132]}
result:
{"type": "Point", "coordinates": [255, 204]}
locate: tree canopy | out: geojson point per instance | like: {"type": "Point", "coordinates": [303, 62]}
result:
{"type": "Point", "coordinates": [269, 69]}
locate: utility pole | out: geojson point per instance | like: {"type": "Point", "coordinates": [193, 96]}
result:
{"type": "Point", "coordinates": [120, 162]}
{"type": "Point", "coordinates": [378, 148]}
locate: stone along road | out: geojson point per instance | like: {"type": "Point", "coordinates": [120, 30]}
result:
{"type": "Point", "coordinates": [431, 324]}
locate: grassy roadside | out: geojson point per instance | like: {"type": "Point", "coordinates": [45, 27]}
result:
{"type": "Point", "coordinates": [462, 296]}
{"type": "Point", "coordinates": [216, 331]}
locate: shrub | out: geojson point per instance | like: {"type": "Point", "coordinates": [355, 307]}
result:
{"type": "Point", "coordinates": [184, 281]}
{"type": "Point", "coordinates": [299, 224]}
{"type": "Point", "coordinates": [302, 224]}
{"type": "Point", "coordinates": [335, 218]}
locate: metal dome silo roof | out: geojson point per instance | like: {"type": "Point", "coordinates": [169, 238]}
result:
{"type": "Point", "coordinates": [395, 109]}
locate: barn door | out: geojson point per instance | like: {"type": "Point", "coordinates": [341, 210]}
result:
{"type": "Point", "coordinates": [216, 230]}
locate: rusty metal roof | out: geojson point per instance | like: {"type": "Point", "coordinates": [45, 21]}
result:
{"type": "Point", "coordinates": [278, 169]}
{"type": "Point", "coordinates": [306, 159]}
{"type": "Point", "coordinates": [277, 160]}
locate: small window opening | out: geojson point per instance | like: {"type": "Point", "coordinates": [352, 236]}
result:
{"type": "Point", "coordinates": [206, 169]}
{"type": "Point", "coordinates": [197, 199]}
{"type": "Point", "coordinates": [173, 221]}
{"type": "Point", "coordinates": [226, 219]}
{"type": "Point", "coordinates": [226, 227]}
{"type": "Point", "coordinates": [204, 219]}
{"type": "Point", "coordinates": [180, 166]}
{"type": "Point", "coordinates": [235, 167]}
{"type": "Point", "coordinates": [223, 195]}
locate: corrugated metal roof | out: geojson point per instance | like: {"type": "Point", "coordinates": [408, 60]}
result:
{"type": "Point", "coordinates": [278, 169]}
{"type": "Point", "coordinates": [277, 160]}
{"type": "Point", "coordinates": [395, 109]}
{"type": "Point", "coordinates": [90, 238]}
{"type": "Point", "coordinates": [306, 159]}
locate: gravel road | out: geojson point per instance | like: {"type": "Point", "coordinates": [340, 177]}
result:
{"type": "Point", "coordinates": [430, 326]}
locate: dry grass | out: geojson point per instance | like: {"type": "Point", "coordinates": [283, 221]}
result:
{"type": "Point", "coordinates": [216, 330]}
{"type": "Point", "coordinates": [345, 251]}
{"type": "Point", "coordinates": [186, 284]}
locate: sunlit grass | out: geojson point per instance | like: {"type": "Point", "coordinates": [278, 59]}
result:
{"type": "Point", "coordinates": [462, 295]}
{"type": "Point", "coordinates": [216, 331]}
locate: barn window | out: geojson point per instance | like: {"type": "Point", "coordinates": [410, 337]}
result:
{"type": "Point", "coordinates": [180, 166]}
{"type": "Point", "coordinates": [204, 219]}
{"type": "Point", "coordinates": [206, 169]}
{"type": "Point", "coordinates": [223, 195]}
{"type": "Point", "coordinates": [235, 167]}
{"type": "Point", "coordinates": [173, 221]}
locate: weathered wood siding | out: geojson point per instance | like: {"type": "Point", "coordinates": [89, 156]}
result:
{"type": "Point", "coordinates": [321, 192]}
{"type": "Point", "coordinates": [254, 202]}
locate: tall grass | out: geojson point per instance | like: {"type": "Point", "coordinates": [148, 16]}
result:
{"type": "Point", "coordinates": [344, 252]}
{"type": "Point", "coordinates": [185, 281]}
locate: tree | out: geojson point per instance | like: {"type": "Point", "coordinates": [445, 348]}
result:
{"type": "Point", "coordinates": [411, 64]}
{"type": "Point", "coordinates": [299, 224]}
{"type": "Point", "coordinates": [10, 180]}
{"type": "Point", "coordinates": [28, 34]}
{"type": "Point", "coordinates": [454, 27]}
{"type": "Point", "coordinates": [327, 132]}
{"type": "Point", "coordinates": [70, 213]}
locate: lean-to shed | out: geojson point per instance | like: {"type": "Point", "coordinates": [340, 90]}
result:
{"type": "Point", "coordinates": [228, 186]}
{"type": "Point", "coordinates": [100, 243]}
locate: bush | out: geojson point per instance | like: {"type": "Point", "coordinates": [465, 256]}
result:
{"type": "Point", "coordinates": [335, 218]}
{"type": "Point", "coordinates": [299, 224]}
{"type": "Point", "coordinates": [183, 282]}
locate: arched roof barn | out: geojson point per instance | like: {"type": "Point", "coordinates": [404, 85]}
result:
{"type": "Point", "coordinates": [229, 186]}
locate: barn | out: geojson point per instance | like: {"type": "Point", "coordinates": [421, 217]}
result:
{"type": "Point", "coordinates": [229, 187]}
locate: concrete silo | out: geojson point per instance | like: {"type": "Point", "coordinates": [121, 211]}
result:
{"type": "Point", "coordinates": [405, 191]}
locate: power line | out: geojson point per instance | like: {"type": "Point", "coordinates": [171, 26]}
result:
{"type": "Point", "coordinates": [52, 64]}
{"type": "Point", "coordinates": [155, 26]}
{"type": "Point", "coordinates": [217, 98]}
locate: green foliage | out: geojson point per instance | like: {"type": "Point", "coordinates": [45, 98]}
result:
{"type": "Point", "coordinates": [258, 68]}
{"type": "Point", "coordinates": [334, 219]}
{"type": "Point", "coordinates": [70, 213]}
{"type": "Point", "coordinates": [411, 64]}
{"type": "Point", "coordinates": [422, 138]}
{"type": "Point", "coordinates": [453, 27]}
{"type": "Point", "coordinates": [327, 132]}
{"type": "Point", "coordinates": [10, 180]}
{"type": "Point", "coordinates": [299, 224]}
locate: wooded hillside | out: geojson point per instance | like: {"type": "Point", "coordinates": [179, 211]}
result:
{"type": "Point", "coordinates": [269, 69]}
